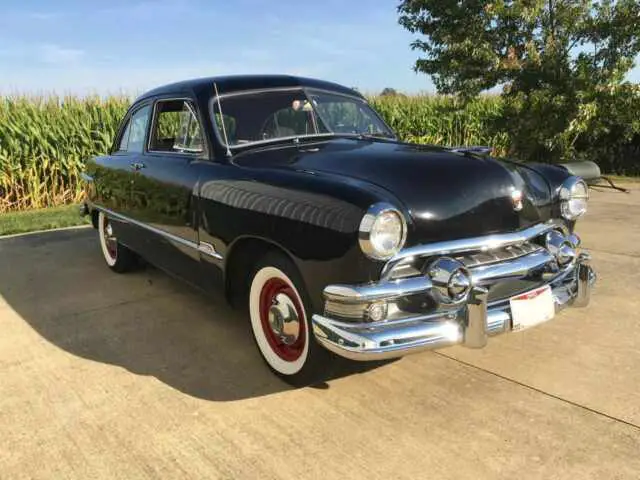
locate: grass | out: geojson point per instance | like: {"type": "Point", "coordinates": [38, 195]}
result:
{"type": "Point", "coordinates": [41, 219]}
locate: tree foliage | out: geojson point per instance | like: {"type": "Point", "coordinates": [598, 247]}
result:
{"type": "Point", "coordinates": [561, 63]}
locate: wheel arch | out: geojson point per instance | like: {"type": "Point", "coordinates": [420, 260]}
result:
{"type": "Point", "coordinates": [95, 213]}
{"type": "Point", "coordinates": [242, 257]}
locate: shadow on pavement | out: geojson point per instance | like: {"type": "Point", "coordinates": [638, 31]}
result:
{"type": "Point", "coordinates": [145, 322]}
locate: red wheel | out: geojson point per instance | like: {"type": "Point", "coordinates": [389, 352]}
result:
{"type": "Point", "coordinates": [108, 240]}
{"type": "Point", "coordinates": [282, 319]}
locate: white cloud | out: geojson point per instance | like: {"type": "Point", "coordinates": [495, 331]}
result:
{"type": "Point", "coordinates": [57, 55]}
{"type": "Point", "coordinates": [13, 16]}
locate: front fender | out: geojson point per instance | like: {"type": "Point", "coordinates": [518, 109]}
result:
{"type": "Point", "coordinates": [314, 219]}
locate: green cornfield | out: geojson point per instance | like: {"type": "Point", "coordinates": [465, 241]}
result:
{"type": "Point", "coordinates": [442, 120]}
{"type": "Point", "coordinates": [44, 141]}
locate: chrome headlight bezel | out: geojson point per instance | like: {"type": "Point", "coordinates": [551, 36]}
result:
{"type": "Point", "coordinates": [366, 231]}
{"type": "Point", "coordinates": [568, 195]}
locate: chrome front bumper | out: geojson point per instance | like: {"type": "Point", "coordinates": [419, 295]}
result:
{"type": "Point", "coordinates": [469, 324]}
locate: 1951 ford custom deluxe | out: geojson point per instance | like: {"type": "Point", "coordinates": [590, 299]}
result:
{"type": "Point", "coordinates": [294, 196]}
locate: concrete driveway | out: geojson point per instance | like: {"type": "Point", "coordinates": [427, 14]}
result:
{"type": "Point", "coordinates": [138, 376]}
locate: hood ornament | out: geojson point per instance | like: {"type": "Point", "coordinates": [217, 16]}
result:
{"type": "Point", "coordinates": [516, 200]}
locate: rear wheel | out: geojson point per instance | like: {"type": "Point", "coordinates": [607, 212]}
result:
{"type": "Point", "coordinates": [118, 257]}
{"type": "Point", "coordinates": [280, 320]}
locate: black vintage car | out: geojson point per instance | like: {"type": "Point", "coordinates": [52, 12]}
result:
{"type": "Point", "coordinates": [295, 198]}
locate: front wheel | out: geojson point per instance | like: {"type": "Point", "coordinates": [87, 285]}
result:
{"type": "Point", "coordinates": [118, 257]}
{"type": "Point", "coordinates": [280, 323]}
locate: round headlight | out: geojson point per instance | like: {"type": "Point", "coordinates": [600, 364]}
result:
{"type": "Point", "coordinates": [574, 195]}
{"type": "Point", "coordinates": [383, 231]}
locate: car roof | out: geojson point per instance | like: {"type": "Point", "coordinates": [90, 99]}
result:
{"type": "Point", "coordinates": [239, 83]}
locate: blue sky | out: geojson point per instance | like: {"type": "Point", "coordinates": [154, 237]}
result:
{"type": "Point", "coordinates": [128, 46]}
{"type": "Point", "coordinates": [113, 46]}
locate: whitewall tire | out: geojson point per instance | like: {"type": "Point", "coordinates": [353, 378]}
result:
{"type": "Point", "coordinates": [286, 358]}
{"type": "Point", "coordinates": [280, 322]}
{"type": "Point", "coordinates": [118, 257]}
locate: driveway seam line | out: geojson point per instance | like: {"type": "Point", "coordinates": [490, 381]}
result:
{"type": "Point", "coordinates": [538, 390]}
{"type": "Point", "coordinates": [609, 252]}
{"type": "Point", "coordinates": [39, 232]}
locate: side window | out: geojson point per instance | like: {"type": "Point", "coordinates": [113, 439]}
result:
{"type": "Point", "coordinates": [132, 139]}
{"type": "Point", "coordinates": [124, 140]}
{"type": "Point", "coordinates": [176, 128]}
{"type": "Point", "coordinates": [138, 130]}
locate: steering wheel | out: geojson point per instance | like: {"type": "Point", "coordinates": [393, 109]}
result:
{"type": "Point", "coordinates": [343, 128]}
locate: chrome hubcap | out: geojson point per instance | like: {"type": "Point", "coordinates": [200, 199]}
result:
{"type": "Point", "coordinates": [110, 240]}
{"type": "Point", "coordinates": [283, 319]}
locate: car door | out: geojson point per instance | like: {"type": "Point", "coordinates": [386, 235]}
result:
{"type": "Point", "coordinates": [114, 174]}
{"type": "Point", "coordinates": [163, 191]}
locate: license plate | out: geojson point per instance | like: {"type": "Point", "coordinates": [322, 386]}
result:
{"type": "Point", "coordinates": [532, 308]}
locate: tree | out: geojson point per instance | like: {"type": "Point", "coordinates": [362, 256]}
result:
{"type": "Point", "coordinates": [388, 92]}
{"type": "Point", "coordinates": [554, 59]}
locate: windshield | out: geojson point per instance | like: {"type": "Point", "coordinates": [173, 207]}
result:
{"type": "Point", "coordinates": [268, 115]}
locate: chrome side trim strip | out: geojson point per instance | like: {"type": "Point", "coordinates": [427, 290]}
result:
{"type": "Point", "coordinates": [174, 238]}
{"type": "Point", "coordinates": [208, 249]}
{"type": "Point", "coordinates": [484, 243]}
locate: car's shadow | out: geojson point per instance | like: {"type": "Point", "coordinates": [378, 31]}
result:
{"type": "Point", "coordinates": [145, 322]}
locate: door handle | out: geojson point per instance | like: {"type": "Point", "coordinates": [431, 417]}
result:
{"type": "Point", "coordinates": [138, 166]}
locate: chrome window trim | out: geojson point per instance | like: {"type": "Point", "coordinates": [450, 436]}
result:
{"type": "Point", "coordinates": [483, 243]}
{"type": "Point", "coordinates": [287, 89]}
{"type": "Point", "coordinates": [202, 247]}
{"type": "Point", "coordinates": [154, 115]}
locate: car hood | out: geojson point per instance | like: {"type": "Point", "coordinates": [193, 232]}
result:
{"type": "Point", "coordinates": [445, 194]}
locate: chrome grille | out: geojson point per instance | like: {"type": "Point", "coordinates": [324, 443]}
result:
{"type": "Point", "coordinates": [471, 260]}
{"type": "Point", "coordinates": [346, 310]}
